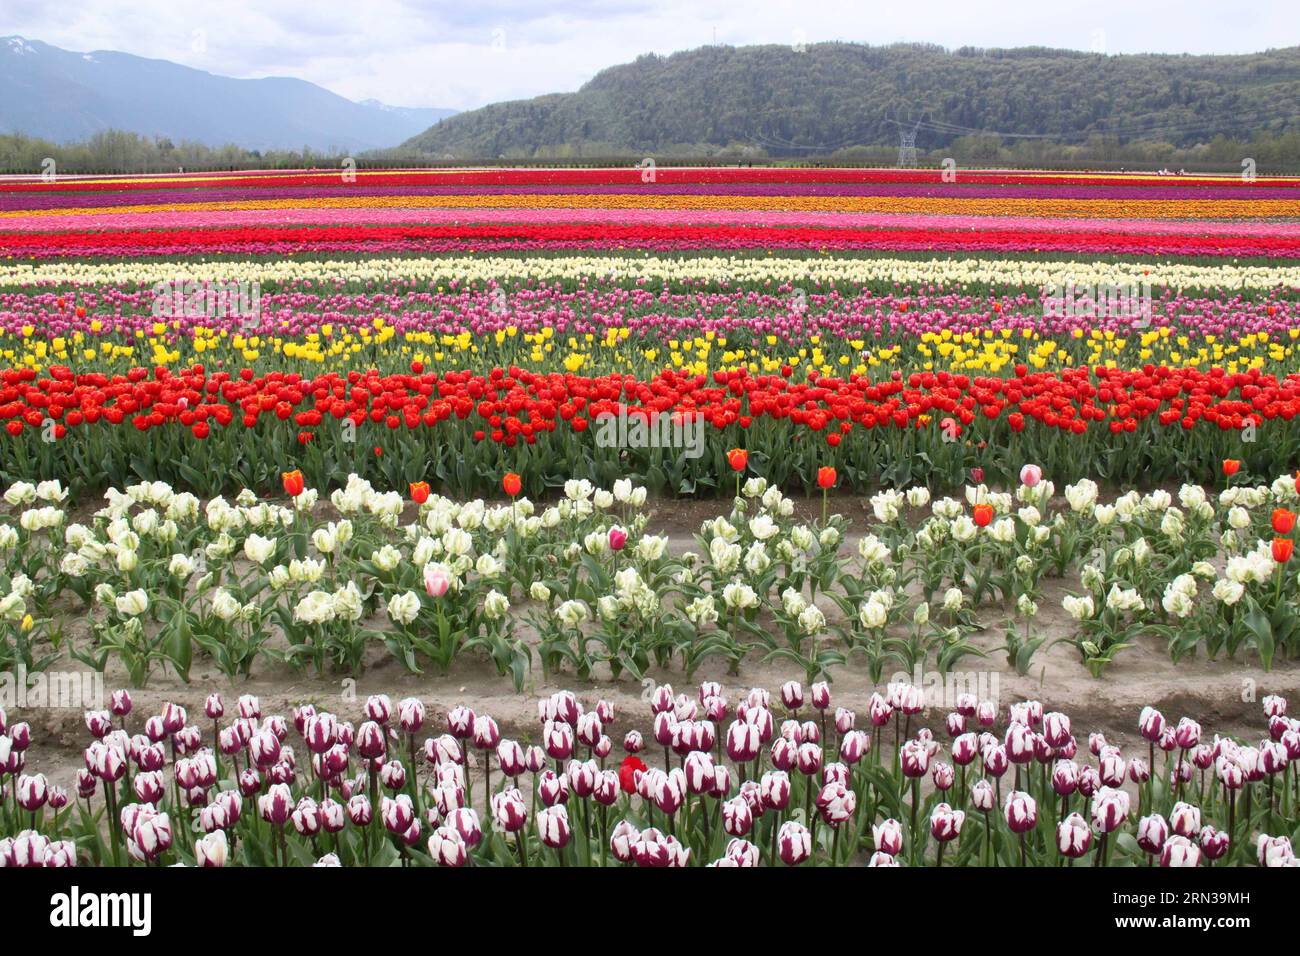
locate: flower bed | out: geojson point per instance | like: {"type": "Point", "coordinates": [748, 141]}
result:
{"type": "Point", "coordinates": [582, 586]}
{"type": "Point", "coordinates": [792, 780]}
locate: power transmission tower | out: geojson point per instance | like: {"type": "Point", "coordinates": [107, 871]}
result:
{"type": "Point", "coordinates": [907, 138]}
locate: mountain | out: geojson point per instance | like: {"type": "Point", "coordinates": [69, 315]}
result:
{"type": "Point", "coordinates": [828, 96]}
{"type": "Point", "coordinates": [64, 96]}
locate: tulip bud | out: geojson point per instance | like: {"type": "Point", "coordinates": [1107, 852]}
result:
{"type": "Point", "coordinates": [1151, 724]}
{"type": "Point", "coordinates": [1073, 837]}
{"type": "Point", "coordinates": [410, 715]}
{"type": "Point", "coordinates": [359, 810]}
{"type": "Point", "coordinates": [447, 847]}
{"type": "Point", "coordinates": [821, 695]}
{"type": "Point", "coordinates": [887, 836]}
{"type": "Point", "coordinates": [623, 840]}
{"type": "Point", "coordinates": [1179, 851]}
{"type": "Point", "coordinates": [31, 791]}
{"type": "Point", "coordinates": [1110, 767]}
{"type": "Point", "coordinates": [792, 696]}
{"type": "Point", "coordinates": [557, 738]}
{"type": "Point", "coordinates": [1214, 843]}
{"type": "Point", "coordinates": [737, 818]}
{"type": "Point", "coordinates": [982, 797]}
{"type": "Point", "coordinates": [460, 722]}
{"type": "Point", "coordinates": [553, 826]}
{"type": "Point", "coordinates": [60, 854]}
{"type": "Point", "coordinates": [774, 790]}
{"type": "Point", "coordinates": [1152, 833]}
{"type": "Point", "coordinates": [509, 811]}
{"type": "Point", "coordinates": [1065, 777]}
{"type": "Point", "coordinates": [149, 786]}
{"type": "Point", "coordinates": [742, 853]}
{"type": "Point", "coordinates": [607, 788]}
{"type": "Point", "coordinates": [854, 746]}
{"type": "Point", "coordinates": [1089, 781]}
{"type": "Point", "coordinates": [1188, 733]}
{"type": "Point", "coordinates": [915, 759]}
{"type": "Point", "coordinates": [250, 782]}
{"type": "Point", "coordinates": [743, 741]}
{"type": "Point", "coordinates": [99, 723]}
{"type": "Point", "coordinates": [1273, 851]}
{"type": "Point", "coordinates": [1109, 809]}
{"type": "Point", "coordinates": [552, 788]}
{"type": "Point", "coordinates": [945, 823]}
{"type": "Point", "coordinates": [397, 813]}
{"type": "Point", "coordinates": [793, 843]}
{"type": "Point", "coordinates": [1056, 729]}
{"type": "Point", "coordinates": [173, 717]}
{"type": "Point", "coordinates": [151, 835]}
{"type": "Point", "coordinates": [1021, 812]}
{"type": "Point", "coordinates": [836, 803]}
{"type": "Point", "coordinates": [371, 743]}
{"type": "Point", "coordinates": [995, 760]}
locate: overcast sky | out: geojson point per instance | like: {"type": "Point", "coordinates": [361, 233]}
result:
{"type": "Point", "coordinates": [466, 54]}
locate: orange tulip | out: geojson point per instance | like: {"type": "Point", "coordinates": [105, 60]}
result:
{"type": "Point", "coordinates": [512, 484]}
{"type": "Point", "coordinates": [983, 515]}
{"type": "Point", "coordinates": [826, 477]}
{"type": "Point", "coordinates": [419, 492]}
{"type": "Point", "coordinates": [1283, 520]}
{"type": "Point", "coordinates": [1231, 466]}
{"type": "Point", "coordinates": [1282, 550]}
{"type": "Point", "coordinates": [738, 459]}
{"type": "Point", "coordinates": [293, 483]}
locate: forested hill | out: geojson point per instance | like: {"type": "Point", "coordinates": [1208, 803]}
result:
{"type": "Point", "coordinates": [785, 101]}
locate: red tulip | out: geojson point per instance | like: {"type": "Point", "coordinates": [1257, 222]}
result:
{"type": "Point", "coordinates": [1282, 550]}
{"type": "Point", "coordinates": [511, 484]}
{"type": "Point", "coordinates": [293, 483]}
{"type": "Point", "coordinates": [738, 459]}
{"type": "Point", "coordinates": [1231, 466]}
{"type": "Point", "coordinates": [826, 477]}
{"type": "Point", "coordinates": [419, 492]}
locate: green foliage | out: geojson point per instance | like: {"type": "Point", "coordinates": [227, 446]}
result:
{"type": "Point", "coordinates": [838, 100]}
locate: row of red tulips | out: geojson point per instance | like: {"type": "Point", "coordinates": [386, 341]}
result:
{"type": "Point", "coordinates": [500, 236]}
{"type": "Point", "coordinates": [196, 423]}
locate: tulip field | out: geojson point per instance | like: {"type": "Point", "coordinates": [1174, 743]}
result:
{"type": "Point", "coordinates": [475, 438]}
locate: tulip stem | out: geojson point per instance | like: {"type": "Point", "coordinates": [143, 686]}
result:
{"type": "Point", "coordinates": [916, 797]}
{"type": "Point", "coordinates": [604, 836]}
{"type": "Point", "coordinates": [519, 845]}
{"type": "Point", "coordinates": [111, 799]}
